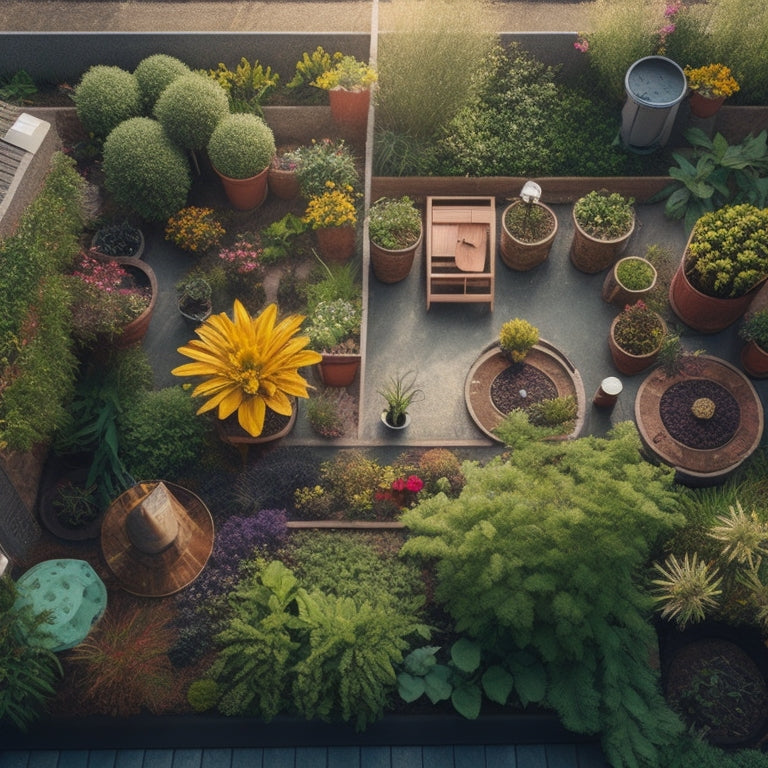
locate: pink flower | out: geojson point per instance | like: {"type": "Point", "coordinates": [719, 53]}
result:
{"type": "Point", "coordinates": [672, 10]}
{"type": "Point", "coordinates": [581, 45]}
{"type": "Point", "coordinates": [398, 485]}
{"type": "Point", "coordinates": [414, 484]}
{"type": "Point", "coordinates": [668, 30]}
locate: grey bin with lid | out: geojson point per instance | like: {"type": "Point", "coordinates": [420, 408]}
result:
{"type": "Point", "coordinates": [655, 86]}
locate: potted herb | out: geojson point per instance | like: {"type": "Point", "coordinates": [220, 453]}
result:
{"type": "Point", "coordinates": [194, 298]}
{"type": "Point", "coordinates": [121, 239]}
{"type": "Point", "coordinates": [754, 353]}
{"type": "Point", "coordinates": [241, 149]}
{"type": "Point", "coordinates": [724, 264]}
{"type": "Point", "coordinates": [710, 86]}
{"type": "Point", "coordinates": [349, 84]}
{"type": "Point", "coordinates": [333, 215]}
{"type": "Point", "coordinates": [603, 223]}
{"type": "Point", "coordinates": [334, 331]}
{"type": "Point", "coordinates": [399, 392]}
{"type": "Point", "coordinates": [528, 229]}
{"type": "Point", "coordinates": [516, 338]}
{"type": "Point", "coordinates": [631, 279]}
{"type": "Point", "coordinates": [395, 231]}
{"type": "Point", "coordinates": [636, 336]}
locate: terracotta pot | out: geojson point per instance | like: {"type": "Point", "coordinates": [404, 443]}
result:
{"type": "Point", "coordinates": [338, 370]}
{"type": "Point", "coordinates": [393, 266]}
{"type": "Point", "coordinates": [704, 106]}
{"type": "Point", "coordinates": [521, 255]}
{"type": "Point", "coordinates": [283, 184]}
{"type": "Point", "coordinates": [754, 360]}
{"type": "Point", "coordinates": [137, 329]}
{"type": "Point", "coordinates": [624, 361]}
{"type": "Point", "coordinates": [246, 194]}
{"type": "Point", "coordinates": [591, 254]}
{"type": "Point", "coordinates": [336, 244]}
{"type": "Point", "coordinates": [616, 293]}
{"type": "Point", "coordinates": [349, 109]}
{"type": "Point", "coordinates": [703, 313]}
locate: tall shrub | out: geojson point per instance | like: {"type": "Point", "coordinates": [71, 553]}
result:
{"type": "Point", "coordinates": [104, 97]}
{"type": "Point", "coordinates": [145, 170]}
{"type": "Point", "coordinates": [539, 555]}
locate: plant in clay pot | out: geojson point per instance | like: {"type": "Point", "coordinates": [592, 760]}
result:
{"type": "Point", "coordinates": [326, 160]}
{"type": "Point", "coordinates": [121, 239]}
{"type": "Point", "coordinates": [631, 279]}
{"type": "Point", "coordinates": [399, 393]}
{"type": "Point", "coordinates": [710, 85]}
{"type": "Point", "coordinates": [333, 216]}
{"type": "Point", "coordinates": [516, 338]}
{"type": "Point", "coordinates": [334, 331]}
{"type": "Point", "coordinates": [754, 353]}
{"type": "Point", "coordinates": [394, 229]}
{"type": "Point", "coordinates": [636, 337]}
{"type": "Point", "coordinates": [194, 298]}
{"type": "Point", "coordinates": [74, 505]}
{"type": "Point", "coordinates": [349, 83]}
{"type": "Point", "coordinates": [528, 230]}
{"type": "Point", "coordinates": [604, 221]}
{"type": "Point", "coordinates": [283, 176]}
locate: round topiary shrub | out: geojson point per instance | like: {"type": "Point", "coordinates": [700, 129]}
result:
{"type": "Point", "coordinates": [104, 97]}
{"type": "Point", "coordinates": [190, 108]}
{"type": "Point", "coordinates": [154, 74]}
{"type": "Point", "coordinates": [242, 146]}
{"type": "Point", "coordinates": [145, 170]}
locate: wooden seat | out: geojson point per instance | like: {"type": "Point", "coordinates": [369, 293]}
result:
{"type": "Point", "coordinates": [460, 248]}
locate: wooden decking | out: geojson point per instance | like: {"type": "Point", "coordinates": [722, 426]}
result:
{"type": "Point", "coordinates": [496, 756]}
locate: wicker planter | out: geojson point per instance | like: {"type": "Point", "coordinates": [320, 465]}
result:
{"type": "Point", "coordinates": [336, 244]}
{"type": "Point", "coordinates": [627, 363]}
{"type": "Point", "coordinates": [283, 184]}
{"type": "Point", "coordinates": [393, 266]}
{"type": "Point", "coordinates": [616, 293]}
{"type": "Point", "coordinates": [591, 254]}
{"type": "Point", "coordinates": [522, 255]}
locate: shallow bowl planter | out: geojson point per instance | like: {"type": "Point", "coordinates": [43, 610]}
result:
{"type": "Point", "coordinates": [592, 254]}
{"type": "Point", "coordinates": [522, 255]}
{"type": "Point", "coordinates": [616, 293]}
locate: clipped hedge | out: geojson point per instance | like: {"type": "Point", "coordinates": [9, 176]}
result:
{"type": "Point", "coordinates": [154, 74]}
{"type": "Point", "coordinates": [104, 97]}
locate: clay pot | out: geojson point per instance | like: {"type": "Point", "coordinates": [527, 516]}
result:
{"type": "Point", "coordinates": [338, 370]}
{"type": "Point", "coordinates": [137, 329]}
{"type": "Point", "coordinates": [616, 293]}
{"type": "Point", "coordinates": [624, 361]}
{"type": "Point", "coordinates": [393, 266]}
{"type": "Point", "coordinates": [754, 360]}
{"type": "Point", "coordinates": [349, 109]}
{"type": "Point", "coordinates": [591, 254]}
{"type": "Point", "coordinates": [283, 184]}
{"type": "Point", "coordinates": [336, 244]}
{"type": "Point", "coordinates": [246, 194]}
{"type": "Point", "coordinates": [704, 106]}
{"type": "Point", "coordinates": [519, 254]}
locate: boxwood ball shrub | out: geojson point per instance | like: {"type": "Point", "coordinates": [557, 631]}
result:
{"type": "Point", "coordinates": [190, 108]}
{"type": "Point", "coordinates": [104, 97]}
{"type": "Point", "coordinates": [242, 145]}
{"type": "Point", "coordinates": [154, 74]}
{"type": "Point", "coordinates": [145, 170]}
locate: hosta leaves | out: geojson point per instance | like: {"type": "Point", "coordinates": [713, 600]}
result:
{"type": "Point", "coordinates": [467, 700]}
{"type": "Point", "coordinates": [497, 684]}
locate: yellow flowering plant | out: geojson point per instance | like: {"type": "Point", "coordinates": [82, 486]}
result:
{"type": "Point", "coordinates": [194, 229]}
{"type": "Point", "coordinates": [333, 208]}
{"type": "Point", "coordinates": [347, 73]}
{"type": "Point", "coordinates": [248, 364]}
{"type": "Point", "coordinates": [712, 80]}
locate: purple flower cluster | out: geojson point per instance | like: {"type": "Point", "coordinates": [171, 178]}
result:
{"type": "Point", "coordinates": [238, 537]}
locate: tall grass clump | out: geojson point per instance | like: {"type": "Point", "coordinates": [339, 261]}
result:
{"type": "Point", "coordinates": [428, 54]}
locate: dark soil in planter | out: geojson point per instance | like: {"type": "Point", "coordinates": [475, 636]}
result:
{"type": "Point", "coordinates": [507, 387]}
{"type": "Point", "coordinates": [683, 426]}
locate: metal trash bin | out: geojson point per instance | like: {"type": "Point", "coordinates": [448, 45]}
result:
{"type": "Point", "coordinates": [655, 86]}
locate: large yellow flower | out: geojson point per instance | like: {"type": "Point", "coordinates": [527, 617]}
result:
{"type": "Point", "coordinates": [249, 364]}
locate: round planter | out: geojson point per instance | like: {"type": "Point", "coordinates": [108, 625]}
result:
{"type": "Point", "coordinates": [338, 370]}
{"type": "Point", "coordinates": [493, 362]}
{"type": "Point", "coordinates": [137, 329]}
{"type": "Point", "coordinates": [393, 266]}
{"type": "Point", "coordinates": [700, 466]}
{"type": "Point", "coordinates": [624, 361]}
{"type": "Point", "coordinates": [703, 106]}
{"type": "Point", "coordinates": [246, 194]}
{"type": "Point", "coordinates": [135, 253]}
{"type": "Point", "coordinates": [754, 360]}
{"type": "Point", "coordinates": [591, 254]}
{"type": "Point", "coordinates": [703, 313]}
{"type": "Point", "coordinates": [395, 427]}
{"type": "Point", "coordinates": [349, 109]}
{"type": "Point", "coordinates": [519, 254]}
{"type": "Point", "coordinates": [283, 184]}
{"type": "Point", "coordinates": [56, 477]}
{"type": "Point", "coordinates": [336, 244]}
{"type": "Point", "coordinates": [616, 293]}
{"type": "Point", "coordinates": [195, 318]}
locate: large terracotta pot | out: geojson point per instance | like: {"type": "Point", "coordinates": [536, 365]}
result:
{"type": "Point", "coordinates": [338, 370]}
{"type": "Point", "coordinates": [246, 194]}
{"type": "Point", "coordinates": [393, 266]}
{"type": "Point", "coordinates": [626, 362]}
{"type": "Point", "coordinates": [591, 254]}
{"type": "Point", "coordinates": [703, 106]}
{"type": "Point", "coordinates": [703, 313]}
{"type": "Point", "coordinates": [137, 329]}
{"type": "Point", "coordinates": [521, 255]}
{"type": "Point", "coordinates": [336, 244]}
{"type": "Point", "coordinates": [754, 360]}
{"type": "Point", "coordinates": [616, 293]}
{"type": "Point", "coordinates": [349, 109]}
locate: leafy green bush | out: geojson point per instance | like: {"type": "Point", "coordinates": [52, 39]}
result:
{"type": "Point", "coordinates": [539, 553]}
{"type": "Point", "coordinates": [154, 74]}
{"type": "Point", "coordinates": [241, 146]}
{"type": "Point", "coordinates": [190, 108]}
{"type": "Point", "coordinates": [160, 435]}
{"type": "Point", "coordinates": [325, 161]}
{"type": "Point", "coordinates": [104, 97]}
{"type": "Point", "coordinates": [145, 170]}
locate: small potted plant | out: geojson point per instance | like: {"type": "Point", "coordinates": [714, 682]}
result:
{"type": "Point", "coordinates": [636, 337]}
{"type": "Point", "coordinates": [333, 216]}
{"type": "Point", "coordinates": [349, 84]}
{"type": "Point", "coordinates": [334, 331]}
{"type": "Point", "coordinates": [395, 232]}
{"type": "Point", "coordinates": [241, 149]}
{"type": "Point", "coordinates": [631, 279]}
{"type": "Point", "coordinates": [710, 86]}
{"type": "Point", "coordinates": [119, 240]}
{"type": "Point", "coordinates": [517, 338]}
{"type": "Point", "coordinates": [283, 178]}
{"type": "Point", "coordinates": [603, 223]}
{"type": "Point", "coordinates": [754, 353]}
{"type": "Point", "coordinates": [399, 392]}
{"type": "Point", "coordinates": [528, 229]}
{"type": "Point", "coordinates": [723, 266]}
{"type": "Point", "coordinates": [194, 298]}
{"type": "Point", "coordinates": [69, 509]}
{"type": "Point", "coordinates": [323, 161]}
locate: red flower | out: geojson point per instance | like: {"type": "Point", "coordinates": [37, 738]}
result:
{"type": "Point", "coordinates": [414, 484]}
{"type": "Point", "coordinates": [398, 485]}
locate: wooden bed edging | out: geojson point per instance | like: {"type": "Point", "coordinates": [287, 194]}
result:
{"type": "Point", "coordinates": [354, 525]}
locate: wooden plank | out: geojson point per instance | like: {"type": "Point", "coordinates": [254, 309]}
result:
{"type": "Point", "coordinates": [312, 757]}
{"type": "Point", "coordinates": [43, 759]}
{"type": "Point", "coordinates": [591, 756]}
{"type": "Point", "coordinates": [19, 758]}
{"type": "Point", "coordinates": [102, 758]}
{"type": "Point", "coordinates": [561, 756]}
{"type": "Point", "coordinates": [248, 758]}
{"type": "Point", "coordinates": [437, 757]}
{"type": "Point", "coordinates": [216, 758]}
{"type": "Point", "coordinates": [500, 756]}
{"type": "Point", "coordinates": [342, 757]}
{"type": "Point", "coordinates": [187, 758]}
{"type": "Point", "coordinates": [279, 757]}
{"type": "Point", "coordinates": [129, 758]}
{"type": "Point", "coordinates": [158, 758]}
{"type": "Point", "coordinates": [531, 756]}
{"type": "Point", "coordinates": [469, 756]}
{"type": "Point", "coordinates": [376, 757]}
{"type": "Point", "coordinates": [407, 757]}
{"type": "Point", "coordinates": [73, 758]}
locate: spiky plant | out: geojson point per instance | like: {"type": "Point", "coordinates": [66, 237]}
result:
{"type": "Point", "coordinates": [687, 589]}
{"type": "Point", "coordinates": [249, 364]}
{"type": "Point", "coordinates": [744, 537]}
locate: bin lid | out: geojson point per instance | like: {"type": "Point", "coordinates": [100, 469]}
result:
{"type": "Point", "coordinates": [656, 81]}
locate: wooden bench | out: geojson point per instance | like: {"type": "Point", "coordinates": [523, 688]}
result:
{"type": "Point", "coordinates": [460, 249]}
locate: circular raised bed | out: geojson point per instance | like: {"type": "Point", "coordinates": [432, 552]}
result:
{"type": "Point", "coordinates": [553, 375]}
{"type": "Point", "coordinates": [703, 451]}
